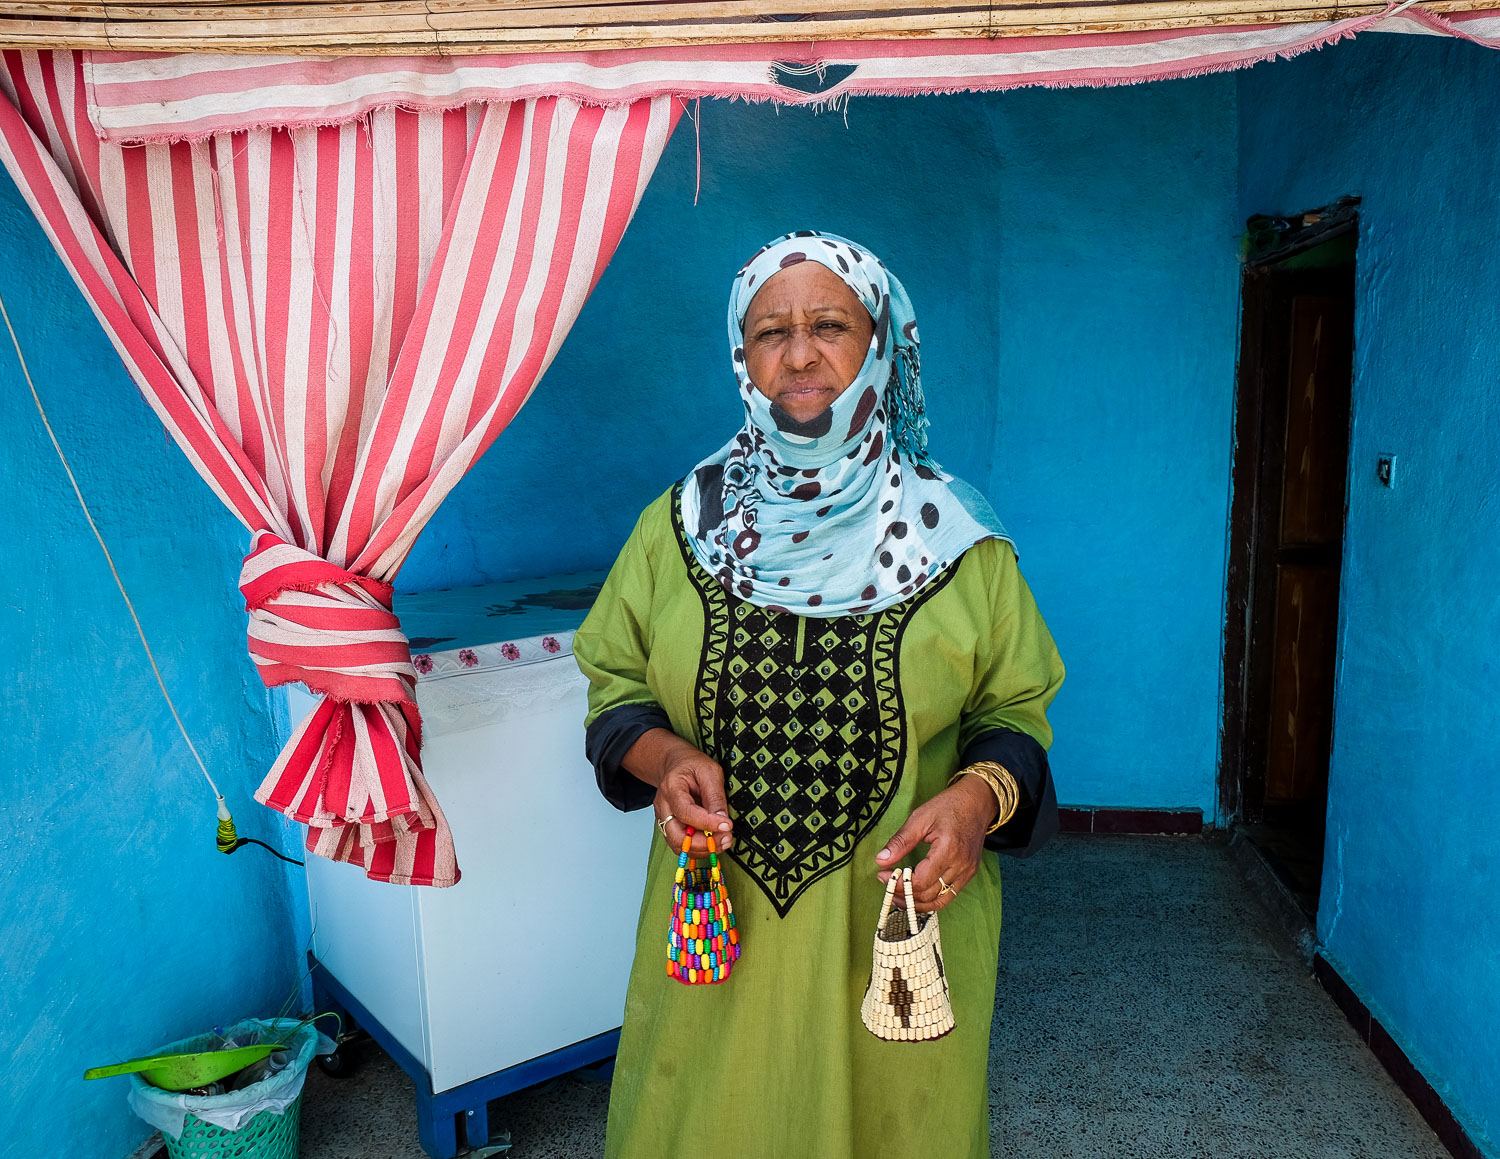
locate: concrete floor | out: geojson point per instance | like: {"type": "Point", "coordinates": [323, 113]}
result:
{"type": "Point", "coordinates": [1147, 1006]}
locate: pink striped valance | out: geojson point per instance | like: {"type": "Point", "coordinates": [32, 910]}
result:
{"type": "Point", "coordinates": [164, 97]}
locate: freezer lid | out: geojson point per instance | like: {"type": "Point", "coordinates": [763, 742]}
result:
{"type": "Point", "coordinates": [461, 631]}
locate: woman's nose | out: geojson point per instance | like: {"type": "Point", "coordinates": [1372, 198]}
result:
{"type": "Point", "coordinates": [801, 351]}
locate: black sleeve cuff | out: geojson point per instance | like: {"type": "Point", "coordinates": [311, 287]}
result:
{"type": "Point", "coordinates": [608, 740]}
{"type": "Point", "coordinates": [1035, 821]}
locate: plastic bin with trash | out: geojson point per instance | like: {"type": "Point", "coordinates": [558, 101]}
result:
{"type": "Point", "coordinates": [236, 1092]}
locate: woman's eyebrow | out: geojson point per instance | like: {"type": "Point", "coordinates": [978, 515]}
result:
{"type": "Point", "coordinates": [773, 315]}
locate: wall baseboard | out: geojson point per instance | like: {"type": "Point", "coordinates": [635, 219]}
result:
{"type": "Point", "coordinates": [1428, 1102]}
{"type": "Point", "coordinates": [1176, 822]}
{"type": "Point", "coordinates": [1274, 894]}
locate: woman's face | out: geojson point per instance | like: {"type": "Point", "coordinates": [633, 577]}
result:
{"type": "Point", "coordinates": [806, 336]}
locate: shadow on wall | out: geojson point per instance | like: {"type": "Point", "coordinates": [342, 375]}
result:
{"type": "Point", "coordinates": [1078, 361]}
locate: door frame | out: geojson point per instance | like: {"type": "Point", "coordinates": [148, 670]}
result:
{"type": "Point", "coordinates": [1260, 351]}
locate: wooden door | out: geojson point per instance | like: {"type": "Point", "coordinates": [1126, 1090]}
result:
{"type": "Point", "coordinates": [1287, 542]}
{"type": "Point", "coordinates": [1304, 550]}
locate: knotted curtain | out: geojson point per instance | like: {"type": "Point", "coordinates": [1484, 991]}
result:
{"type": "Point", "coordinates": [334, 323]}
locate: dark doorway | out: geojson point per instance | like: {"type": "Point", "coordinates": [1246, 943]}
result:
{"type": "Point", "coordinates": [1286, 537]}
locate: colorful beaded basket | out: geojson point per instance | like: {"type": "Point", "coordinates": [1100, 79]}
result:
{"type": "Point", "coordinates": [702, 944]}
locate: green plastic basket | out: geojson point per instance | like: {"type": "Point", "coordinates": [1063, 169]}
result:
{"type": "Point", "coordinates": [267, 1136]}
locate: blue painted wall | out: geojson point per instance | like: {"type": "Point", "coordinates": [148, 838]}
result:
{"type": "Point", "coordinates": [1413, 867]}
{"type": "Point", "coordinates": [1071, 256]}
{"type": "Point", "coordinates": [123, 926]}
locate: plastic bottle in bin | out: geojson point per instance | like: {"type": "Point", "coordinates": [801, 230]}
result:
{"type": "Point", "coordinates": [273, 1063]}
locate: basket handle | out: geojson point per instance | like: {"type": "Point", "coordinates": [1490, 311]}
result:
{"type": "Point", "coordinates": [890, 893]}
{"type": "Point", "coordinates": [911, 907]}
{"type": "Point", "coordinates": [687, 843]}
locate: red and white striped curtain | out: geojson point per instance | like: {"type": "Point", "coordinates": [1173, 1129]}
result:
{"type": "Point", "coordinates": [334, 324]}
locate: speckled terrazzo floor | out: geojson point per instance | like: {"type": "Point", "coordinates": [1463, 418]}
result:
{"type": "Point", "coordinates": [1147, 1007]}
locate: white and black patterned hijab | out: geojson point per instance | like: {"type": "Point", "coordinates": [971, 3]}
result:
{"type": "Point", "coordinates": [846, 513]}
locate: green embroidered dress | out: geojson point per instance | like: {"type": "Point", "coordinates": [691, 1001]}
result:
{"type": "Point", "coordinates": [830, 732]}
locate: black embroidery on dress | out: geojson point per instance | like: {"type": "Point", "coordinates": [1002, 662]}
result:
{"type": "Point", "coordinates": [807, 719]}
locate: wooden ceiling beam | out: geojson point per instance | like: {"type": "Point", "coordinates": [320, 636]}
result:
{"type": "Point", "coordinates": [399, 27]}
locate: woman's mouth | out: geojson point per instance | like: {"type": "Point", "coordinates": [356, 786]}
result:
{"type": "Point", "coordinates": [805, 390]}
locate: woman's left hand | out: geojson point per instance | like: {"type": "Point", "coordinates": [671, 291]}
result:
{"type": "Point", "coordinates": [952, 825]}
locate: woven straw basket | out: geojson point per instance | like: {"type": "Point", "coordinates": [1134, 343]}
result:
{"type": "Point", "coordinates": [907, 1000]}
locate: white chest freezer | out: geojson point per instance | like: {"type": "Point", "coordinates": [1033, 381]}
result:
{"type": "Point", "coordinates": [518, 972]}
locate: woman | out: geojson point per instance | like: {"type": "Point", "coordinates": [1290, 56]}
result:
{"type": "Point", "coordinates": [798, 647]}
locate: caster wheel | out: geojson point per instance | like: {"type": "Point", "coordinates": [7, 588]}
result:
{"type": "Point", "coordinates": [339, 1065]}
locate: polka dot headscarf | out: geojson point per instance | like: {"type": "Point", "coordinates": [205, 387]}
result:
{"type": "Point", "coordinates": [847, 513]}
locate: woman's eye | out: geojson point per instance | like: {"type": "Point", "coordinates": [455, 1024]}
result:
{"type": "Point", "coordinates": [769, 335]}
{"type": "Point", "coordinates": [830, 328]}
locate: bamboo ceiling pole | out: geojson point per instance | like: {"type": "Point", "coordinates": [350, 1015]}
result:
{"type": "Point", "coordinates": [383, 25]}
{"type": "Point", "coordinates": [567, 13]}
{"type": "Point", "coordinates": [404, 27]}
{"type": "Point", "coordinates": [551, 12]}
{"type": "Point", "coordinates": [484, 14]}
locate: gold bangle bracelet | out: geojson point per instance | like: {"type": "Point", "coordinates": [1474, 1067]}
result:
{"type": "Point", "coordinates": [1001, 782]}
{"type": "Point", "coordinates": [1005, 806]}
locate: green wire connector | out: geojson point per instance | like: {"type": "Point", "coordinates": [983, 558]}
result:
{"type": "Point", "coordinates": [228, 840]}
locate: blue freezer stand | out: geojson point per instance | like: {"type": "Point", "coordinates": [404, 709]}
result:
{"type": "Point", "coordinates": [438, 1113]}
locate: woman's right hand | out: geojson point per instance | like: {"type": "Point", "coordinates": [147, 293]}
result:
{"type": "Point", "coordinates": [689, 789]}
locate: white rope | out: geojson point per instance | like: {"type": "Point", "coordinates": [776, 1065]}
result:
{"type": "Point", "coordinates": [87, 514]}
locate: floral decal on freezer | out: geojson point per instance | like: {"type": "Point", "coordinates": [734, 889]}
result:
{"type": "Point", "coordinates": [439, 664]}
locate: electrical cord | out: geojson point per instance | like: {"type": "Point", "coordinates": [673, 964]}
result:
{"type": "Point", "coordinates": [238, 841]}
{"type": "Point", "coordinates": [227, 840]}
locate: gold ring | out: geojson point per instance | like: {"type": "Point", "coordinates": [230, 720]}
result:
{"type": "Point", "coordinates": [946, 888]}
{"type": "Point", "coordinates": [662, 825]}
